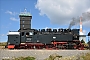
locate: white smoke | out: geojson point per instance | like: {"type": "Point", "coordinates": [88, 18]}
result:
{"type": "Point", "coordinates": [61, 12]}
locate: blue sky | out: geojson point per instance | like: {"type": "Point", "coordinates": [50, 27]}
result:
{"type": "Point", "coordinates": [42, 16]}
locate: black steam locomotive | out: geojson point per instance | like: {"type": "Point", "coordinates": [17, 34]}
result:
{"type": "Point", "coordinates": [48, 38]}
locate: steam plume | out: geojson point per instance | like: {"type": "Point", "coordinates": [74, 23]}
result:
{"type": "Point", "coordinates": [85, 17]}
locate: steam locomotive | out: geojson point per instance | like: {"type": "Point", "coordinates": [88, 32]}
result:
{"type": "Point", "coordinates": [29, 38]}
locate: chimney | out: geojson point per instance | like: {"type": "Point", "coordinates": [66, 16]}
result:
{"type": "Point", "coordinates": [81, 31]}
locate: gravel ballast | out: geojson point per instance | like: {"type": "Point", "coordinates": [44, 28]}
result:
{"type": "Point", "coordinates": [38, 54]}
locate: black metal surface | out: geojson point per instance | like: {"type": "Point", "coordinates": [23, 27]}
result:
{"type": "Point", "coordinates": [44, 36]}
{"type": "Point", "coordinates": [14, 39]}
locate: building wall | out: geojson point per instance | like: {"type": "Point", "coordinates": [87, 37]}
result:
{"type": "Point", "coordinates": [82, 37]}
{"type": "Point", "coordinates": [25, 22]}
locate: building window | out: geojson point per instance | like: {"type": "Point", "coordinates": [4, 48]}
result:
{"type": "Point", "coordinates": [23, 25]}
{"type": "Point", "coordinates": [23, 21]}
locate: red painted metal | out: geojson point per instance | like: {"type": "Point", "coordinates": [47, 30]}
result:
{"type": "Point", "coordinates": [49, 46]}
{"type": "Point", "coordinates": [58, 42]}
{"type": "Point", "coordinates": [11, 46]}
{"type": "Point", "coordinates": [32, 45]}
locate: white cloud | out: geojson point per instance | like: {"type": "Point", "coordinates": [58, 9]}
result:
{"type": "Point", "coordinates": [2, 34]}
{"type": "Point", "coordinates": [14, 19]}
{"type": "Point", "coordinates": [11, 13]}
{"type": "Point", "coordinates": [88, 10]}
{"type": "Point", "coordinates": [61, 12]}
